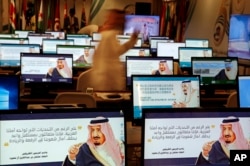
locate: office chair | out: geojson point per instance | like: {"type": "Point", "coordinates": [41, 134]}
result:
{"type": "Point", "coordinates": [232, 100]}
{"type": "Point", "coordinates": [85, 81]}
{"type": "Point", "coordinates": [75, 98]}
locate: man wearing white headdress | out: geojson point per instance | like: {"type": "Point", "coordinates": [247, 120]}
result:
{"type": "Point", "coordinates": [231, 138]}
{"type": "Point", "coordinates": [189, 98]}
{"type": "Point", "coordinates": [62, 70]}
{"type": "Point", "coordinates": [163, 69]}
{"type": "Point", "coordinates": [100, 149]}
{"type": "Point", "coordinates": [228, 73]}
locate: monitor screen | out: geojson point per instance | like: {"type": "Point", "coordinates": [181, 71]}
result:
{"type": "Point", "coordinates": [243, 91]}
{"type": "Point", "coordinates": [94, 43]}
{"type": "Point", "coordinates": [148, 65]}
{"type": "Point", "coordinates": [8, 35]}
{"type": "Point", "coordinates": [169, 49]}
{"type": "Point", "coordinates": [135, 51]}
{"type": "Point", "coordinates": [9, 92]}
{"type": "Point", "coordinates": [10, 53]}
{"type": "Point", "coordinates": [176, 137]}
{"type": "Point", "coordinates": [56, 34]}
{"type": "Point", "coordinates": [42, 138]}
{"type": "Point", "coordinates": [195, 42]}
{"type": "Point", "coordinates": [124, 38]}
{"type": "Point", "coordinates": [49, 45]}
{"type": "Point", "coordinates": [169, 91]}
{"type": "Point", "coordinates": [82, 55]}
{"type": "Point", "coordinates": [23, 33]}
{"type": "Point", "coordinates": [154, 41]}
{"type": "Point", "coordinates": [14, 40]}
{"type": "Point", "coordinates": [96, 36]}
{"type": "Point", "coordinates": [80, 39]}
{"type": "Point", "coordinates": [46, 68]}
{"type": "Point", "coordinates": [216, 72]}
{"type": "Point", "coordinates": [186, 53]}
{"type": "Point", "coordinates": [37, 38]}
{"type": "Point", "coordinates": [147, 25]}
{"type": "Point", "coordinates": [158, 37]}
{"type": "Point", "coordinates": [238, 38]}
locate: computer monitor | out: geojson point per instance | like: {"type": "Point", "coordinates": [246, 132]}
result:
{"type": "Point", "coordinates": [56, 34]}
{"type": "Point", "coordinates": [238, 37]}
{"type": "Point", "coordinates": [80, 39]}
{"type": "Point", "coordinates": [136, 65]}
{"type": "Point", "coordinates": [124, 38]}
{"type": "Point", "coordinates": [147, 25]}
{"type": "Point", "coordinates": [10, 53]}
{"type": "Point", "coordinates": [168, 91]}
{"type": "Point", "coordinates": [169, 49]}
{"type": "Point", "coordinates": [9, 92]}
{"type": "Point", "coordinates": [49, 45]}
{"type": "Point", "coordinates": [154, 41]}
{"type": "Point", "coordinates": [44, 137]}
{"type": "Point", "coordinates": [37, 38]}
{"type": "Point", "coordinates": [243, 91]}
{"type": "Point", "coordinates": [14, 40]}
{"type": "Point", "coordinates": [43, 72]}
{"type": "Point", "coordinates": [8, 35]}
{"type": "Point", "coordinates": [158, 37]}
{"type": "Point", "coordinates": [82, 55]}
{"type": "Point", "coordinates": [176, 136]}
{"type": "Point", "coordinates": [196, 42]}
{"type": "Point", "coordinates": [94, 43]}
{"type": "Point", "coordinates": [96, 36]}
{"type": "Point", "coordinates": [135, 51]}
{"type": "Point", "coordinates": [23, 33]}
{"type": "Point", "coordinates": [216, 72]}
{"type": "Point", "coordinates": [186, 53]}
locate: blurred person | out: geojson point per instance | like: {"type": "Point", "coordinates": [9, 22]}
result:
{"type": "Point", "coordinates": [163, 69]}
{"type": "Point", "coordinates": [61, 70]}
{"type": "Point", "coordinates": [231, 137]}
{"type": "Point", "coordinates": [100, 149]}
{"type": "Point", "coordinates": [71, 24]}
{"type": "Point", "coordinates": [108, 72]}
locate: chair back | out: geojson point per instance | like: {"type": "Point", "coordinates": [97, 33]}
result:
{"type": "Point", "coordinates": [232, 100]}
{"type": "Point", "coordinates": [75, 98]}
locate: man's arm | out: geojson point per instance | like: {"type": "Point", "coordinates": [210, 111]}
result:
{"type": "Point", "coordinates": [204, 155]}
{"type": "Point", "coordinates": [129, 44]}
{"type": "Point", "coordinates": [67, 162]}
{"type": "Point", "coordinates": [71, 157]}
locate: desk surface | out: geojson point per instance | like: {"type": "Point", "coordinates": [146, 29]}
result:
{"type": "Point", "coordinates": [218, 100]}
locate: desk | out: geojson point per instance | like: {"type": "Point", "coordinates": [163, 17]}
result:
{"type": "Point", "coordinates": [101, 102]}
{"type": "Point", "coordinates": [218, 100]}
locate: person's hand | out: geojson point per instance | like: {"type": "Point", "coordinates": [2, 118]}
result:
{"type": "Point", "coordinates": [73, 151]}
{"type": "Point", "coordinates": [206, 148]}
{"type": "Point", "coordinates": [182, 105]}
{"type": "Point", "coordinates": [135, 34]}
{"type": "Point", "coordinates": [176, 105]}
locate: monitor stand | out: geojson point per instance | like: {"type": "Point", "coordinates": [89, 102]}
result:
{"type": "Point", "coordinates": [42, 92]}
{"type": "Point", "coordinates": [209, 91]}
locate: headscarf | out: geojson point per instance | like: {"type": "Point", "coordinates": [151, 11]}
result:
{"type": "Point", "coordinates": [240, 141]}
{"type": "Point", "coordinates": [115, 19]}
{"type": "Point", "coordinates": [167, 70]}
{"type": "Point", "coordinates": [112, 146]}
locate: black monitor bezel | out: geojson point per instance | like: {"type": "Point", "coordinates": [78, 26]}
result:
{"type": "Point", "coordinates": [138, 121]}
